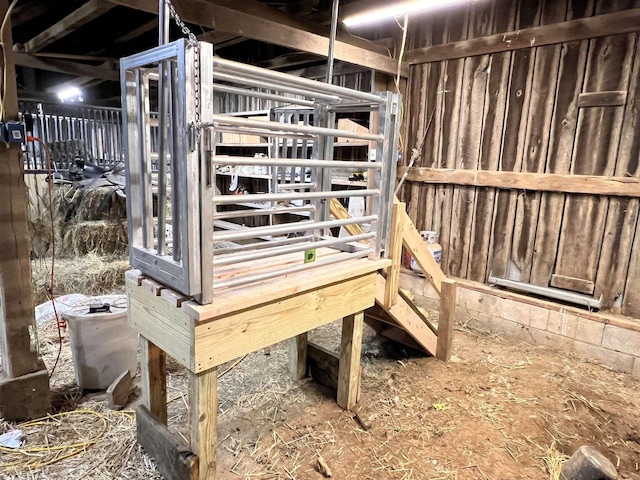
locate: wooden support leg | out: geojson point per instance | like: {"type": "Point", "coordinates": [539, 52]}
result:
{"type": "Point", "coordinates": [446, 319]}
{"type": "Point", "coordinates": [153, 369]}
{"type": "Point", "coordinates": [350, 349]}
{"type": "Point", "coordinates": [298, 357]}
{"type": "Point", "coordinates": [395, 253]}
{"type": "Point", "coordinates": [204, 417]}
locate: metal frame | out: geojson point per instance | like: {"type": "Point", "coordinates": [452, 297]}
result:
{"type": "Point", "coordinates": [184, 256]}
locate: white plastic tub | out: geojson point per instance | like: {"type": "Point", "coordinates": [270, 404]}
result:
{"type": "Point", "coordinates": [103, 345]}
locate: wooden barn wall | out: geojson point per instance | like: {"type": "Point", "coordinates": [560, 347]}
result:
{"type": "Point", "coordinates": [517, 111]}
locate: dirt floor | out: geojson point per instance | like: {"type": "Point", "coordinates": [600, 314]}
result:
{"type": "Point", "coordinates": [498, 410]}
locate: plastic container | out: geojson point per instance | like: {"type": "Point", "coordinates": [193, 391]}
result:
{"type": "Point", "coordinates": [103, 345]}
{"type": "Point", "coordinates": [434, 247]}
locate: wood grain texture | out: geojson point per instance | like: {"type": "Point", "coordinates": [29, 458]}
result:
{"type": "Point", "coordinates": [350, 352]}
{"type": "Point", "coordinates": [234, 335]}
{"type": "Point", "coordinates": [203, 420]}
{"type": "Point", "coordinates": [579, 29]}
{"type": "Point", "coordinates": [395, 253]}
{"type": "Point", "coordinates": [119, 391]}
{"type": "Point", "coordinates": [537, 182]}
{"type": "Point", "coordinates": [174, 460]}
{"type": "Point", "coordinates": [298, 356]}
{"type": "Point", "coordinates": [323, 365]}
{"type": "Point", "coordinates": [602, 99]}
{"type": "Point", "coordinates": [392, 332]}
{"type": "Point", "coordinates": [574, 284]}
{"type": "Point", "coordinates": [153, 372]}
{"type": "Point", "coordinates": [19, 356]}
{"type": "Point", "coordinates": [446, 319]}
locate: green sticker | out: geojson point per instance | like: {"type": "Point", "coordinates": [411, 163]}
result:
{"type": "Point", "coordinates": [310, 255]}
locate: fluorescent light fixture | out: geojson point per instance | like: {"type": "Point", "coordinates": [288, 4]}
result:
{"type": "Point", "coordinates": [70, 95]}
{"type": "Point", "coordinates": [398, 8]}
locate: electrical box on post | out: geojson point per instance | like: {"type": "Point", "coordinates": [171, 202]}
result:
{"type": "Point", "coordinates": [15, 132]}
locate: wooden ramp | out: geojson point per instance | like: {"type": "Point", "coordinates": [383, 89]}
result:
{"type": "Point", "coordinates": [395, 315]}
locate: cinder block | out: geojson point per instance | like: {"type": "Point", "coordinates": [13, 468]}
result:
{"type": "Point", "coordinates": [508, 328]}
{"type": "Point", "coordinates": [479, 302]}
{"type": "Point", "coordinates": [523, 313]}
{"type": "Point", "coordinates": [478, 321]}
{"type": "Point", "coordinates": [542, 337]}
{"type": "Point", "coordinates": [426, 302]}
{"type": "Point", "coordinates": [621, 339]}
{"type": "Point", "coordinates": [636, 368]}
{"type": "Point", "coordinates": [589, 331]}
{"type": "Point", "coordinates": [562, 323]}
{"type": "Point", "coordinates": [616, 360]}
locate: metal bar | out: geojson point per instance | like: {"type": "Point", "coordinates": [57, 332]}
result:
{"type": "Point", "coordinates": [162, 147]}
{"type": "Point", "coordinates": [263, 244]}
{"type": "Point", "coordinates": [288, 228]}
{"type": "Point", "coordinates": [262, 133]}
{"type": "Point", "coordinates": [276, 251]}
{"type": "Point", "coordinates": [266, 96]}
{"type": "Point", "coordinates": [262, 211]}
{"type": "Point", "coordinates": [268, 197]}
{"type": "Point", "coordinates": [236, 67]}
{"type": "Point", "coordinates": [244, 280]}
{"type": "Point", "coordinates": [549, 292]}
{"type": "Point", "coordinates": [332, 41]}
{"type": "Point", "coordinates": [287, 127]}
{"type": "Point", "coordinates": [259, 82]}
{"type": "Point", "coordinates": [296, 186]}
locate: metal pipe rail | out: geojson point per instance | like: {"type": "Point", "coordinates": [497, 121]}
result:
{"type": "Point", "coordinates": [263, 211]}
{"type": "Point", "coordinates": [279, 197]}
{"type": "Point", "coordinates": [294, 162]}
{"type": "Point", "coordinates": [266, 96]}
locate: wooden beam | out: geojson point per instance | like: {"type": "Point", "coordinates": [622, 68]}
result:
{"type": "Point", "coordinates": [395, 253]}
{"type": "Point", "coordinates": [340, 213]}
{"type": "Point", "coordinates": [172, 457]}
{"type": "Point", "coordinates": [153, 370]}
{"type": "Point", "coordinates": [83, 15]}
{"type": "Point", "coordinates": [298, 356]}
{"type": "Point", "coordinates": [24, 13]}
{"type": "Point", "coordinates": [19, 355]}
{"type": "Point", "coordinates": [602, 99]}
{"type": "Point", "coordinates": [627, 21]}
{"type": "Point", "coordinates": [203, 420]}
{"type": "Point", "coordinates": [324, 365]}
{"type": "Point", "coordinates": [137, 32]}
{"type": "Point", "coordinates": [64, 66]}
{"type": "Point", "coordinates": [544, 182]}
{"type": "Point", "coordinates": [446, 319]}
{"type": "Point", "coordinates": [350, 351]}
{"type": "Point", "coordinates": [244, 24]}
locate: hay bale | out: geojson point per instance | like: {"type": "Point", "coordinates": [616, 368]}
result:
{"type": "Point", "coordinates": [99, 236]}
{"type": "Point", "coordinates": [88, 203]}
{"type": "Point", "coordinates": [88, 274]}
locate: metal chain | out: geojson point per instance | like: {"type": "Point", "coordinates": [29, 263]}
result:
{"type": "Point", "coordinates": [193, 41]}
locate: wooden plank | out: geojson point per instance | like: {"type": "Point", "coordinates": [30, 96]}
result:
{"type": "Point", "coordinates": [256, 295]}
{"type": "Point", "coordinates": [341, 213]}
{"type": "Point", "coordinates": [563, 127]}
{"type": "Point", "coordinates": [539, 182]}
{"type": "Point", "coordinates": [574, 284]}
{"type": "Point", "coordinates": [392, 332]}
{"type": "Point", "coordinates": [172, 457]}
{"type": "Point", "coordinates": [608, 68]}
{"type": "Point", "coordinates": [203, 420]}
{"type": "Point", "coordinates": [249, 25]}
{"type": "Point", "coordinates": [472, 117]}
{"type": "Point", "coordinates": [446, 319]}
{"type": "Point", "coordinates": [571, 31]}
{"type": "Point", "coordinates": [395, 253]}
{"type": "Point", "coordinates": [298, 356]}
{"type": "Point", "coordinates": [169, 328]}
{"type": "Point", "coordinates": [602, 99]}
{"type": "Point", "coordinates": [65, 66]}
{"type": "Point", "coordinates": [173, 298]}
{"type": "Point", "coordinates": [19, 355]}
{"type": "Point", "coordinates": [323, 365]}
{"type": "Point", "coordinates": [30, 11]}
{"type": "Point", "coordinates": [236, 334]}
{"type": "Point", "coordinates": [153, 371]}
{"type": "Point", "coordinates": [350, 352]}
{"type": "Point", "coordinates": [134, 277]}
{"type": "Point", "coordinates": [153, 287]}
{"type": "Point", "coordinates": [137, 32]}
{"type": "Point", "coordinates": [404, 316]}
{"type": "Point", "coordinates": [631, 299]}
{"type": "Point", "coordinates": [119, 391]}
{"type": "Point", "coordinates": [413, 242]}
{"type": "Point", "coordinates": [79, 17]}
{"type": "Point", "coordinates": [495, 106]}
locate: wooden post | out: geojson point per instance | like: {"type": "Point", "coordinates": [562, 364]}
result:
{"type": "Point", "coordinates": [350, 350]}
{"type": "Point", "coordinates": [153, 370]}
{"type": "Point", "coordinates": [395, 254]}
{"type": "Point", "coordinates": [19, 356]}
{"type": "Point", "coordinates": [298, 356]}
{"type": "Point", "coordinates": [203, 420]}
{"type": "Point", "coordinates": [446, 319]}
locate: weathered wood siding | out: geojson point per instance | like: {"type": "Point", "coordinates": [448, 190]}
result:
{"type": "Point", "coordinates": [518, 111]}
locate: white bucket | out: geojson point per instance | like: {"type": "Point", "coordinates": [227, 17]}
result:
{"type": "Point", "coordinates": [103, 345]}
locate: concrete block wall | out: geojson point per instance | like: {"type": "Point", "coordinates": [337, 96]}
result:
{"type": "Point", "coordinates": [540, 322]}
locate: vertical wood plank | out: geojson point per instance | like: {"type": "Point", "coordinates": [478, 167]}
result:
{"type": "Point", "coordinates": [203, 399]}
{"type": "Point", "coordinates": [19, 356]}
{"type": "Point", "coordinates": [496, 103]}
{"type": "Point", "coordinates": [298, 357]}
{"type": "Point", "coordinates": [446, 319]}
{"type": "Point", "coordinates": [563, 127]}
{"type": "Point", "coordinates": [395, 254]}
{"type": "Point", "coordinates": [153, 370]}
{"type": "Point", "coordinates": [522, 64]}
{"type": "Point", "coordinates": [350, 351]}
{"type": "Point", "coordinates": [596, 147]}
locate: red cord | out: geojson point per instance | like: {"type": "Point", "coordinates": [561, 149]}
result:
{"type": "Point", "coordinates": [61, 324]}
